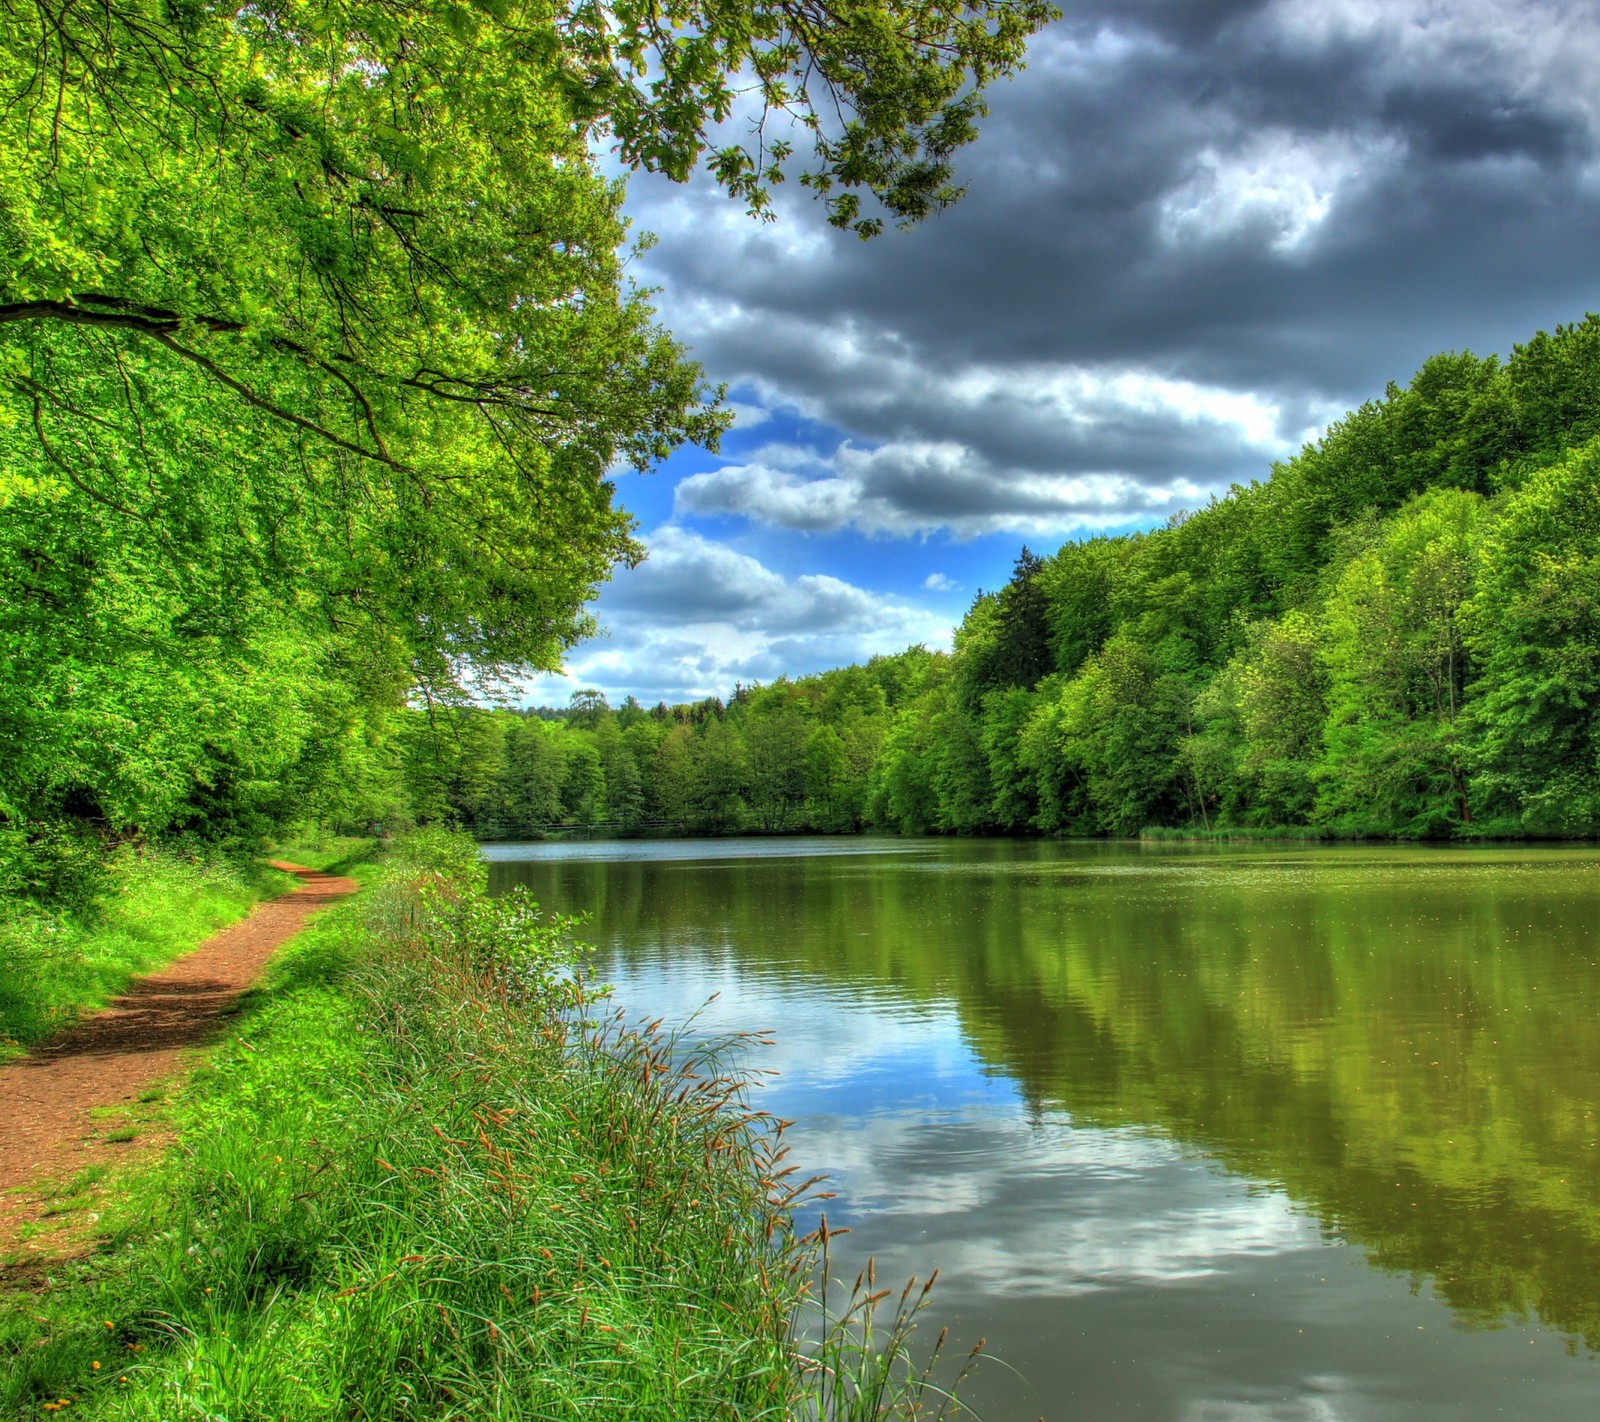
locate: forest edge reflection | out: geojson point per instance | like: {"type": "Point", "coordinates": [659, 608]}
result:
{"type": "Point", "coordinates": [1399, 1038]}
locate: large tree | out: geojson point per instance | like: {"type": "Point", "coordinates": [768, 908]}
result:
{"type": "Point", "coordinates": [317, 342]}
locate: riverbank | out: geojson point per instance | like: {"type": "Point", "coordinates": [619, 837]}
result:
{"type": "Point", "coordinates": [429, 1175]}
{"type": "Point", "coordinates": [146, 906]}
{"type": "Point", "coordinates": [73, 1102]}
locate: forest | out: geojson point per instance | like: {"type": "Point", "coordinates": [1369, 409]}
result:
{"type": "Point", "coordinates": [306, 433]}
{"type": "Point", "coordinates": [1395, 633]}
{"type": "Point", "coordinates": [318, 345]}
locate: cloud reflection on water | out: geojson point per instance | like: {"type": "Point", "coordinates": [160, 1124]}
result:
{"type": "Point", "coordinates": [925, 1146]}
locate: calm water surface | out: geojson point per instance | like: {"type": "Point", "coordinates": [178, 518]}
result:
{"type": "Point", "coordinates": [1195, 1135]}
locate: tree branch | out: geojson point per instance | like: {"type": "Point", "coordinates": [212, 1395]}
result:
{"type": "Point", "coordinates": [118, 313]}
{"type": "Point", "coordinates": [260, 402]}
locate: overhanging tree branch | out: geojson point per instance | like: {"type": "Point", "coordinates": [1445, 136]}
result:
{"type": "Point", "coordinates": [163, 325]}
{"type": "Point", "coordinates": [269, 407]}
{"type": "Point", "coordinates": [111, 312]}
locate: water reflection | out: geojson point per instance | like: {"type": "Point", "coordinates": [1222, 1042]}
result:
{"type": "Point", "coordinates": [1140, 1105]}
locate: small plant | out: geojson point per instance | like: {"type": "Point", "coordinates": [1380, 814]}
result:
{"type": "Point", "coordinates": [854, 1366]}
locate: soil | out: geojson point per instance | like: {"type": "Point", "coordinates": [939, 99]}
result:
{"type": "Point", "coordinates": [62, 1105]}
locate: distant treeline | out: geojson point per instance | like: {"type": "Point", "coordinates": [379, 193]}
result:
{"type": "Point", "coordinates": [1398, 633]}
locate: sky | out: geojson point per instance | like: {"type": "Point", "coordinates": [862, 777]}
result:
{"type": "Point", "coordinates": [1194, 232]}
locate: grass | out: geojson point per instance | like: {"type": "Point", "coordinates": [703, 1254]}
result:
{"type": "Point", "coordinates": [56, 965]}
{"type": "Point", "coordinates": [432, 1176]}
{"type": "Point", "coordinates": [332, 853]}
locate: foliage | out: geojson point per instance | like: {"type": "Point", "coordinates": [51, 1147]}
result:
{"type": "Point", "coordinates": [787, 757]}
{"type": "Point", "coordinates": [1533, 625]}
{"type": "Point", "coordinates": [1394, 635]}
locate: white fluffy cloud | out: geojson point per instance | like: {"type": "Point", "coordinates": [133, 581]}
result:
{"type": "Point", "coordinates": [1039, 449]}
{"type": "Point", "coordinates": [918, 486]}
{"type": "Point", "coordinates": [698, 616]}
{"type": "Point", "coordinates": [1276, 184]}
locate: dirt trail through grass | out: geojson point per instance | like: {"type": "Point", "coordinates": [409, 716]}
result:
{"type": "Point", "coordinates": [54, 1103]}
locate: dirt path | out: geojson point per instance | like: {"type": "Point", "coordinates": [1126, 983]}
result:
{"type": "Point", "coordinates": [53, 1100]}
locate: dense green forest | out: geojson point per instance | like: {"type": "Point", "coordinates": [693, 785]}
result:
{"type": "Point", "coordinates": [317, 343]}
{"type": "Point", "coordinates": [1397, 633]}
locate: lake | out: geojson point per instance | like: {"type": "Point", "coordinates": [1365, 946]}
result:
{"type": "Point", "coordinates": [1195, 1134]}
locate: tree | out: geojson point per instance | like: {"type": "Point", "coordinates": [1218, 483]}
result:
{"type": "Point", "coordinates": [1015, 790]}
{"type": "Point", "coordinates": [587, 708]}
{"type": "Point", "coordinates": [535, 772]}
{"type": "Point", "coordinates": [583, 787]}
{"type": "Point", "coordinates": [960, 774]}
{"type": "Point", "coordinates": [1082, 586]}
{"type": "Point", "coordinates": [775, 733]}
{"type": "Point", "coordinates": [1533, 626]}
{"type": "Point", "coordinates": [832, 801]}
{"type": "Point", "coordinates": [624, 788]}
{"type": "Point", "coordinates": [1397, 672]}
{"type": "Point", "coordinates": [1258, 722]}
{"type": "Point", "coordinates": [719, 777]}
{"type": "Point", "coordinates": [1117, 727]}
{"type": "Point", "coordinates": [1005, 639]}
{"type": "Point", "coordinates": [903, 796]}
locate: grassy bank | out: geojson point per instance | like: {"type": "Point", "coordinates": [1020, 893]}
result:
{"type": "Point", "coordinates": [146, 907]}
{"type": "Point", "coordinates": [431, 1177]}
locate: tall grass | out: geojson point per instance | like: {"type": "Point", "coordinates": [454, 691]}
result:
{"type": "Point", "coordinates": [148, 905]}
{"type": "Point", "coordinates": [438, 1176]}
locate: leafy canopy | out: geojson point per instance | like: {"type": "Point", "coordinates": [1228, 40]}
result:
{"type": "Point", "coordinates": [377, 227]}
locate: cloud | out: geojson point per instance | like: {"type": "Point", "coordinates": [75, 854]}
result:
{"type": "Point", "coordinates": [920, 487]}
{"type": "Point", "coordinates": [911, 487]}
{"type": "Point", "coordinates": [938, 582]}
{"type": "Point", "coordinates": [1276, 185]}
{"type": "Point", "coordinates": [747, 416]}
{"type": "Point", "coordinates": [1269, 206]}
{"type": "Point", "coordinates": [697, 616]}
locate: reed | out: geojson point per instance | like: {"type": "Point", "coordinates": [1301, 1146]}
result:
{"type": "Point", "coordinates": [438, 1174]}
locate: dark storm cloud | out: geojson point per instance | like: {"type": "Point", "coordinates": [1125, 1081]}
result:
{"type": "Point", "coordinates": [1289, 203]}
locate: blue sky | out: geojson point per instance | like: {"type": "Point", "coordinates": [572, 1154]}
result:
{"type": "Point", "coordinates": [1195, 231]}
